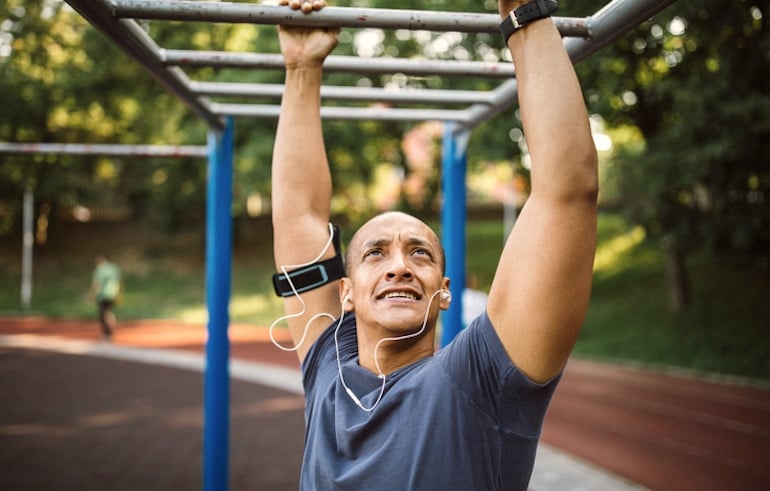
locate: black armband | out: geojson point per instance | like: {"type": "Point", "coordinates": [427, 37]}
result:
{"type": "Point", "coordinates": [313, 276]}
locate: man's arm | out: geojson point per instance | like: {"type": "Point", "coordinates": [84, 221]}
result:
{"type": "Point", "coordinates": [301, 182]}
{"type": "Point", "coordinates": [540, 293]}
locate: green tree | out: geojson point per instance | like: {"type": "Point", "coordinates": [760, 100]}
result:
{"type": "Point", "coordinates": [694, 80]}
{"type": "Point", "coordinates": [62, 81]}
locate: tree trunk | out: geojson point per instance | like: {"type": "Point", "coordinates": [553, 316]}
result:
{"type": "Point", "coordinates": [678, 280]}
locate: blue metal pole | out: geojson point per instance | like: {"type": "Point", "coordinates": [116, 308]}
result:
{"type": "Point", "coordinates": [453, 217]}
{"type": "Point", "coordinates": [216, 431]}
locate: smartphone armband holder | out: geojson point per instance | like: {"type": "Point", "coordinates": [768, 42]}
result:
{"type": "Point", "coordinates": [312, 276]}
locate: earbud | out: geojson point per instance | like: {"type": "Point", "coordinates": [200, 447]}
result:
{"type": "Point", "coordinates": [346, 299]}
{"type": "Point", "coordinates": [446, 295]}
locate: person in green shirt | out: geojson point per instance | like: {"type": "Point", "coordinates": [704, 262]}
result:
{"type": "Point", "coordinates": [106, 289]}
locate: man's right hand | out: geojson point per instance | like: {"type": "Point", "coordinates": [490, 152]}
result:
{"type": "Point", "coordinates": [304, 46]}
{"type": "Point", "coordinates": [306, 6]}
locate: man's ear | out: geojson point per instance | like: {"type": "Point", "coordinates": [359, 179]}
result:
{"type": "Point", "coordinates": [346, 294]}
{"type": "Point", "coordinates": [446, 298]}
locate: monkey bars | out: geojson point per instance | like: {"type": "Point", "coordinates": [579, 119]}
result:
{"type": "Point", "coordinates": [117, 19]}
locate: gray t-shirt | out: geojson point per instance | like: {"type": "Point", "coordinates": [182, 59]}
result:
{"type": "Point", "coordinates": [465, 418]}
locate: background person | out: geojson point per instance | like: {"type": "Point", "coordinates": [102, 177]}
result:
{"type": "Point", "coordinates": [106, 288]}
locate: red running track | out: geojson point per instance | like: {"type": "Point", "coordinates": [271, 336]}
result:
{"type": "Point", "coordinates": [664, 431]}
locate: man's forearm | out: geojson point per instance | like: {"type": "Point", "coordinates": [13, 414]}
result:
{"type": "Point", "coordinates": [553, 111]}
{"type": "Point", "coordinates": [301, 179]}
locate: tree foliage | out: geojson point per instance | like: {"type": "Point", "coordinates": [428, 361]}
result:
{"type": "Point", "coordinates": [62, 81]}
{"type": "Point", "coordinates": [691, 83]}
{"type": "Point", "coordinates": [694, 81]}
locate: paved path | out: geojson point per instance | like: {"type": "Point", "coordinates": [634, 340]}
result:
{"type": "Point", "coordinates": [662, 431]}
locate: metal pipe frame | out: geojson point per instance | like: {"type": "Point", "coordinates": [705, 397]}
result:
{"type": "Point", "coordinates": [105, 149]}
{"type": "Point", "coordinates": [612, 21]}
{"type": "Point", "coordinates": [137, 44]}
{"type": "Point", "coordinates": [116, 19]}
{"type": "Point", "coordinates": [373, 94]}
{"type": "Point", "coordinates": [359, 18]}
{"type": "Point", "coordinates": [340, 64]}
{"type": "Point", "coordinates": [454, 166]}
{"type": "Point", "coordinates": [219, 246]}
{"type": "Point", "coordinates": [608, 24]}
{"type": "Point", "coordinates": [380, 113]}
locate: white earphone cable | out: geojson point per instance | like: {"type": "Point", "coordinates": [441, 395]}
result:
{"type": "Point", "coordinates": [285, 269]}
{"type": "Point", "coordinates": [380, 374]}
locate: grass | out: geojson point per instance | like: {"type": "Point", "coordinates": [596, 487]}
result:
{"type": "Point", "coordinates": [726, 330]}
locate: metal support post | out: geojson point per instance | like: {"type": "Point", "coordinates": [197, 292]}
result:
{"type": "Point", "coordinates": [453, 217]}
{"type": "Point", "coordinates": [216, 431]}
{"type": "Point", "coordinates": [28, 242]}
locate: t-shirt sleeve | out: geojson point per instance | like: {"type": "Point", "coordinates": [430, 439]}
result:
{"type": "Point", "coordinates": [478, 364]}
{"type": "Point", "coordinates": [322, 354]}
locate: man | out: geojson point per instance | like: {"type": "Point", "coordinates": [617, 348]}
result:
{"type": "Point", "coordinates": [383, 411]}
{"type": "Point", "coordinates": [106, 288]}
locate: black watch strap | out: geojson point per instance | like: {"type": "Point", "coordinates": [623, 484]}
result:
{"type": "Point", "coordinates": [537, 9]}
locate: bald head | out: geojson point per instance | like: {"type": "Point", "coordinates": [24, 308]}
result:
{"type": "Point", "coordinates": [383, 226]}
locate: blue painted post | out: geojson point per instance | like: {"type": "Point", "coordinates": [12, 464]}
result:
{"type": "Point", "coordinates": [216, 431]}
{"type": "Point", "coordinates": [453, 216]}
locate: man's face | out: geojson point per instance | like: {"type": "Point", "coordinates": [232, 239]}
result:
{"type": "Point", "coordinates": [395, 266]}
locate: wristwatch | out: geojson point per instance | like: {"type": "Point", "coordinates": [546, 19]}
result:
{"type": "Point", "coordinates": [531, 11]}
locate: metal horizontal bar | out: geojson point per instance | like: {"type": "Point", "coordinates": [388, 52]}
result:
{"type": "Point", "coordinates": [337, 64]}
{"type": "Point", "coordinates": [328, 17]}
{"type": "Point", "coordinates": [340, 93]}
{"type": "Point", "coordinates": [346, 113]}
{"type": "Point", "coordinates": [107, 149]}
{"type": "Point", "coordinates": [613, 21]}
{"type": "Point", "coordinates": [137, 44]}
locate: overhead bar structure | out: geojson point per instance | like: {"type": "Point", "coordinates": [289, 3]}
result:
{"type": "Point", "coordinates": [117, 19]}
{"type": "Point", "coordinates": [611, 22]}
{"type": "Point", "coordinates": [129, 36]}
{"type": "Point", "coordinates": [357, 18]}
